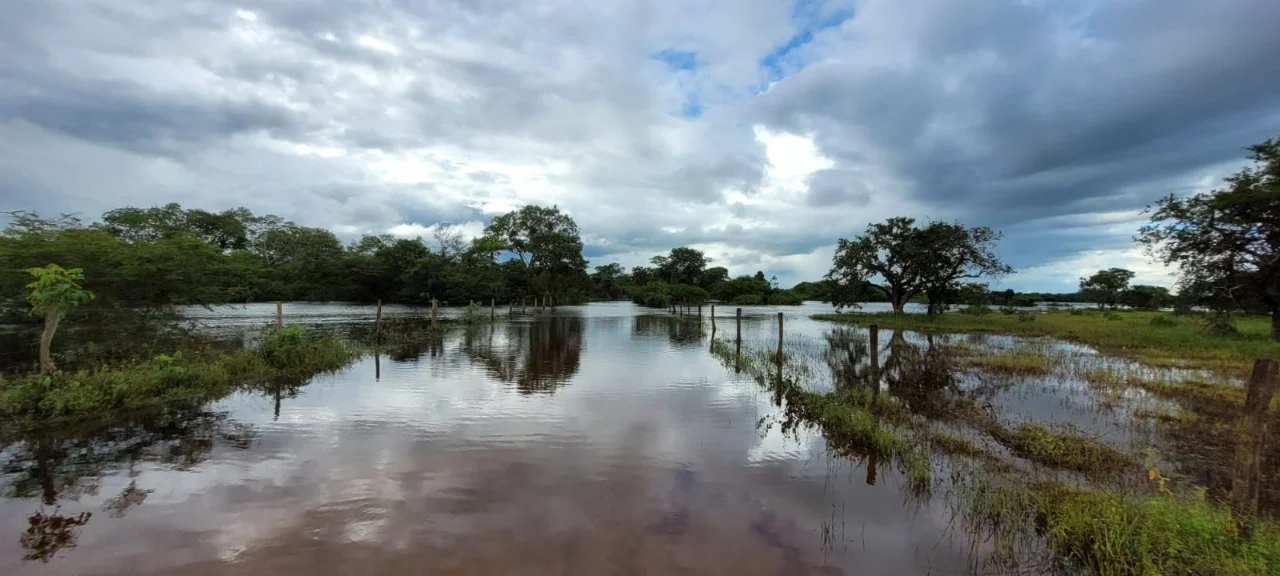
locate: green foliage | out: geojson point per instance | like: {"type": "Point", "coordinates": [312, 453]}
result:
{"type": "Point", "coordinates": [1162, 321]}
{"type": "Point", "coordinates": [748, 300]}
{"type": "Point", "coordinates": [976, 310]}
{"type": "Point", "coordinates": [1064, 449]}
{"type": "Point", "coordinates": [910, 261]}
{"type": "Point", "coordinates": [1110, 534]}
{"type": "Point", "coordinates": [1226, 243]}
{"type": "Point", "coordinates": [785, 298]}
{"type": "Point", "coordinates": [1105, 287]}
{"type": "Point", "coordinates": [291, 354]}
{"type": "Point", "coordinates": [149, 259]}
{"type": "Point", "coordinates": [1112, 316]}
{"type": "Point", "coordinates": [56, 288]}
{"type": "Point", "coordinates": [1142, 297]}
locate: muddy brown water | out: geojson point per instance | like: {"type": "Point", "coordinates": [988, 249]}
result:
{"type": "Point", "coordinates": [599, 439]}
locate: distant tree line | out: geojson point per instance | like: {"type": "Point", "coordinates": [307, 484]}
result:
{"type": "Point", "coordinates": [165, 256]}
{"type": "Point", "coordinates": [684, 277]}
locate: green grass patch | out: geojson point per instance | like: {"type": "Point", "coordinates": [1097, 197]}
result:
{"type": "Point", "coordinates": [1169, 341]}
{"type": "Point", "coordinates": [1065, 449]}
{"type": "Point", "coordinates": [1113, 535]}
{"type": "Point", "coordinates": [1018, 362]}
{"type": "Point", "coordinates": [290, 355]}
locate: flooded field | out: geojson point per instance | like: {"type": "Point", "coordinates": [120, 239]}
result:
{"type": "Point", "coordinates": [605, 439]}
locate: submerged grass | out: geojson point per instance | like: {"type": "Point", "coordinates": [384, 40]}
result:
{"type": "Point", "coordinates": [1016, 362]}
{"type": "Point", "coordinates": [288, 356]}
{"type": "Point", "coordinates": [1170, 341]}
{"type": "Point", "coordinates": [1065, 449]}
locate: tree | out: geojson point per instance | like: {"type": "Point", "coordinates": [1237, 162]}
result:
{"type": "Point", "coordinates": [910, 261]}
{"type": "Point", "coordinates": [1145, 297]}
{"type": "Point", "coordinates": [713, 276]}
{"type": "Point", "coordinates": [1105, 287]}
{"type": "Point", "coordinates": [607, 281]}
{"type": "Point", "coordinates": [548, 243]}
{"type": "Point", "coordinates": [683, 265]}
{"type": "Point", "coordinates": [1226, 242]}
{"type": "Point", "coordinates": [55, 291]}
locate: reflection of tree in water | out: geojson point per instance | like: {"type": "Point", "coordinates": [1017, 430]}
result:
{"type": "Point", "coordinates": [62, 464]}
{"type": "Point", "coordinates": [847, 357]}
{"type": "Point", "coordinates": [677, 330]}
{"type": "Point", "coordinates": [537, 357]}
{"type": "Point", "coordinates": [918, 375]}
{"type": "Point", "coordinates": [922, 376]}
{"type": "Point", "coordinates": [47, 534]}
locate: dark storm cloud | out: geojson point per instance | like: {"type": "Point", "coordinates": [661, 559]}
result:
{"type": "Point", "coordinates": [1001, 116]}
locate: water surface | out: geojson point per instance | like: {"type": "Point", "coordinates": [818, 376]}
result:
{"type": "Point", "coordinates": [600, 439]}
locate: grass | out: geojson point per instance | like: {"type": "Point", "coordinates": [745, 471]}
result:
{"type": "Point", "coordinates": [1114, 535]}
{"type": "Point", "coordinates": [1017, 362]}
{"type": "Point", "coordinates": [1065, 449]}
{"type": "Point", "coordinates": [1205, 397]}
{"type": "Point", "coordinates": [285, 356]}
{"type": "Point", "coordinates": [1111, 534]}
{"type": "Point", "coordinates": [1169, 341]}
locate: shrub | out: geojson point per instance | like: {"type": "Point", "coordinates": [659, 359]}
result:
{"type": "Point", "coordinates": [1112, 316]}
{"type": "Point", "coordinates": [1076, 312]}
{"type": "Point", "coordinates": [1026, 317]}
{"type": "Point", "coordinates": [785, 298]}
{"type": "Point", "coordinates": [748, 299]}
{"type": "Point", "coordinates": [1163, 321]}
{"type": "Point", "coordinates": [977, 310]}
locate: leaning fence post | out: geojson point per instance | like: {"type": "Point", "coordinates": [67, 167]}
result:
{"type": "Point", "coordinates": [377, 323]}
{"type": "Point", "coordinates": [739, 317]}
{"type": "Point", "coordinates": [279, 314]}
{"type": "Point", "coordinates": [1247, 479]}
{"type": "Point", "coordinates": [713, 320]}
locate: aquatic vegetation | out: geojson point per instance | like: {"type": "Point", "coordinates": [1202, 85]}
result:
{"type": "Point", "coordinates": [1064, 448]}
{"type": "Point", "coordinates": [1112, 534]}
{"type": "Point", "coordinates": [1172, 341]}
{"type": "Point", "coordinates": [290, 354]}
{"type": "Point", "coordinates": [1015, 362]}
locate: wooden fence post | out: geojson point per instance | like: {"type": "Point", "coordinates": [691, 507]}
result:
{"type": "Point", "coordinates": [493, 310]}
{"type": "Point", "coordinates": [779, 338]}
{"type": "Point", "coordinates": [279, 315]}
{"type": "Point", "coordinates": [873, 345]}
{"type": "Point", "coordinates": [739, 317]}
{"type": "Point", "coordinates": [377, 324]}
{"type": "Point", "coordinates": [1247, 479]}
{"type": "Point", "coordinates": [713, 320]}
{"type": "Point", "coordinates": [433, 313]}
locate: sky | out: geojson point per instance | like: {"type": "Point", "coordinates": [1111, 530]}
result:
{"type": "Point", "coordinates": [758, 131]}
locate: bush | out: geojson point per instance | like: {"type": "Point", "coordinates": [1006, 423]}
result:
{"type": "Point", "coordinates": [1112, 316]}
{"type": "Point", "coordinates": [1026, 317]}
{"type": "Point", "coordinates": [785, 298]}
{"type": "Point", "coordinates": [748, 299]}
{"type": "Point", "coordinates": [1076, 312]}
{"type": "Point", "coordinates": [1163, 321]}
{"type": "Point", "coordinates": [289, 354]}
{"type": "Point", "coordinates": [977, 310]}
{"type": "Point", "coordinates": [1009, 311]}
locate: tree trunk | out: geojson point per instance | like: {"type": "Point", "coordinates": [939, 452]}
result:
{"type": "Point", "coordinates": [51, 318]}
{"type": "Point", "coordinates": [1275, 323]}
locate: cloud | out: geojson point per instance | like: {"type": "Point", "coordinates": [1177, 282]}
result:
{"type": "Point", "coordinates": [758, 129]}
